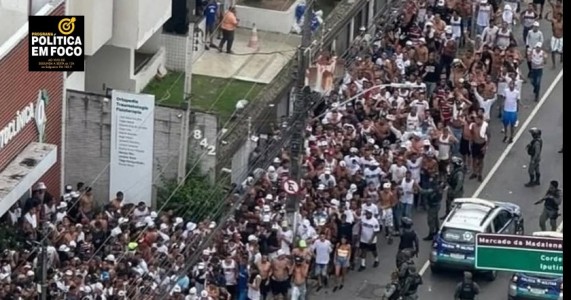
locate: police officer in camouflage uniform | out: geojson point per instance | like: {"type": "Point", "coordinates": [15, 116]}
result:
{"type": "Point", "coordinates": [407, 263]}
{"type": "Point", "coordinates": [402, 257]}
{"type": "Point", "coordinates": [534, 151]}
{"type": "Point", "coordinates": [433, 195]}
{"type": "Point", "coordinates": [408, 238]}
{"type": "Point", "coordinates": [467, 289]}
{"type": "Point", "coordinates": [455, 183]}
{"type": "Point", "coordinates": [551, 203]}
{"type": "Point", "coordinates": [411, 284]}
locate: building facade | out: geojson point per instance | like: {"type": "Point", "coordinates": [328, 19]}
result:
{"type": "Point", "coordinates": [30, 117]}
{"type": "Point", "coordinates": [123, 44]}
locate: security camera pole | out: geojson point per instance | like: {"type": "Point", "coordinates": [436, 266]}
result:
{"type": "Point", "coordinates": [300, 109]}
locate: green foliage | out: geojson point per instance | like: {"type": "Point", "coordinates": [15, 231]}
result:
{"type": "Point", "coordinates": [10, 237]}
{"type": "Point", "coordinates": [196, 200]}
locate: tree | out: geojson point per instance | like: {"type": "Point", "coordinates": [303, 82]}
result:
{"type": "Point", "coordinates": [197, 199]}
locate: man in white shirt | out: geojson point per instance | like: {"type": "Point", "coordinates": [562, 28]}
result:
{"type": "Point", "coordinates": [489, 34]}
{"type": "Point", "coordinates": [368, 206]}
{"type": "Point", "coordinates": [322, 248]}
{"type": "Point", "coordinates": [485, 104]}
{"type": "Point", "coordinates": [327, 179]}
{"type": "Point", "coordinates": [373, 174]}
{"type": "Point", "coordinates": [398, 171]}
{"type": "Point", "coordinates": [370, 229]}
{"type": "Point", "coordinates": [285, 235]}
{"type": "Point", "coordinates": [509, 116]}
{"type": "Point", "coordinates": [352, 161]}
{"type": "Point", "coordinates": [484, 16]}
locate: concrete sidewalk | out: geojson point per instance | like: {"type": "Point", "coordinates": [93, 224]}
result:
{"type": "Point", "coordinates": [255, 65]}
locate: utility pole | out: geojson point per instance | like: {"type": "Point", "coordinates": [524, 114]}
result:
{"type": "Point", "coordinates": [185, 122]}
{"type": "Point", "coordinates": [43, 261]}
{"type": "Point", "coordinates": [300, 109]}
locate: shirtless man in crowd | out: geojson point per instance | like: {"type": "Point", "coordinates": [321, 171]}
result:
{"type": "Point", "coordinates": [556, 7]}
{"type": "Point", "coordinates": [557, 37]}
{"type": "Point", "coordinates": [86, 205]}
{"type": "Point", "coordinates": [300, 271]}
{"type": "Point", "coordinates": [265, 268]}
{"type": "Point", "coordinates": [280, 276]}
{"type": "Point", "coordinates": [422, 51]}
{"type": "Point", "coordinates": [479, 133]}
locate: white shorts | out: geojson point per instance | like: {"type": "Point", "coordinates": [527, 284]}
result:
{"type": "Point", "coordinates": [387, 217]}
{"type": "Point", "coordinates": [557, 45]}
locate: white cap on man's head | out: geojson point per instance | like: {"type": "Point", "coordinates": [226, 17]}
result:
{"type": "Point", "coordinates": [536, 24]}
{"type": "Point", "coordinates": [538, 45]}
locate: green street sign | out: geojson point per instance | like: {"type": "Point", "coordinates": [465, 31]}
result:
{"type": "Point", "coordinates": [518, 253]}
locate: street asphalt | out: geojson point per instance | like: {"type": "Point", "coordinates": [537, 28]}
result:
{"type": "Point", "coordinates": [507, 185]}
{"type": "Point", "coordinates": [508, 175]}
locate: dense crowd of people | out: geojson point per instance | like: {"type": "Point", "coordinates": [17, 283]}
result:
{"type": "Point", "coordinates": [409, 118]}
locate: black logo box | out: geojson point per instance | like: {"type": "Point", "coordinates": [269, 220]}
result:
{"type": "Point", "coordinates": [64, 63]}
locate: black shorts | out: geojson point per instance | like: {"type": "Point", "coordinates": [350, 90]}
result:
{"type": "Point", "coordinates": [465, 147]}
{"type": "Point", "coordinates": [368, 247]}
{"type": "Point", "coordinates": [279, 287]}
{"type": "Point", "coordinates": [443, 166]}
{"type": "Point", "coordinates": [477, 150]}
{"type": "Point", "coordinates": [264, 287]}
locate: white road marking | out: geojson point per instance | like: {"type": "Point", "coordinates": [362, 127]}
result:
{"type": "Point", "coordinates": [424, 267]}
{"type": "Point", "coordinates": [523, 128]}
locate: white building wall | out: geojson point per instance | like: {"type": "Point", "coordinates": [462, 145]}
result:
{"type": "Point", "coordinates": [20, 6]}
{"type": "Point", "coordinates": [267, 20]}
{"type": "Point", "coordinates": [152, 15]}
{"type": "Point", "coordinates": [98, 21]}
{"type": "Point", "coordinates": [135, 21]}
{"type": "Point", "coordinates": [38, 4]}
{"type": "Point", "coordinates": [114, 30]}
{"type": "Point", "coordinates": [75, 81]}
{"type": "Point", "coordinates": [100, 75]}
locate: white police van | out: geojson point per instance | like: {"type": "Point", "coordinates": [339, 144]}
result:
{"type": "Point", "coordinates": [454, 245]}
{"type": "Point", "coordinates": [537, 286]}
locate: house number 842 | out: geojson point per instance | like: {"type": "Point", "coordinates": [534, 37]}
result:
{"type": "Point", "coordinates": [197, 135]}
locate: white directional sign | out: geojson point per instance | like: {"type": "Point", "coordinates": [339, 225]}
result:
{"type": "Point", "coordinates": [291, 187]}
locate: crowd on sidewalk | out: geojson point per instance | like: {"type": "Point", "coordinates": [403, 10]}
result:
{"type": "Point", "coordinates": [416, 98]}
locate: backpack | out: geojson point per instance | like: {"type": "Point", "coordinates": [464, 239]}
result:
{"type": "Point", "coordinates": [467, 292]}
{"type": "Point", "coordinates": [531, 146]}
{"type": "Point", "coordinates": [531, 149]}
{"type": "Point", "coordinates": [415, 282]}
